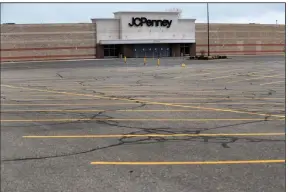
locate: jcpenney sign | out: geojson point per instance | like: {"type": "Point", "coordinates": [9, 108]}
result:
{"type": "Point", "coordinates": [140, 21]}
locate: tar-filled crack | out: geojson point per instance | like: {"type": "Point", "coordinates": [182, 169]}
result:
{"type": "Point", "coordinates": [83, 116]}
{"type": "Point", "coordinates": [101, 78]}
{"type": "Point", "coordinates": [102, 113]}
{"type": "Point", "coordinates": [38, 87]}
{"type": "Point", "coordinates": [81, 83]}
{"type": "Point", "coordinates": [116, 97]}
{"type": "Point", "coordinates": [58, 74]}
{"type": "Point", "coordinates": [57, 156]}
{"type": "Point", "coordinates": [224, 141]}
{"type": "Point", "coordinates": [100, 93]}
{"type": "Point", "coordinates": [156, 76]}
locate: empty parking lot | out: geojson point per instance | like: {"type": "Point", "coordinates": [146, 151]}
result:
{"type": "Point", "coordinates": [103, 125]}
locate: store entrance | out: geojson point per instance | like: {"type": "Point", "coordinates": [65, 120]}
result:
{"type": "Point", "coordinates": [184, 49]}
{"type": "Point", "coordinates": [151, 50]}
{"type": "Point", "coordinates": [111, 50]}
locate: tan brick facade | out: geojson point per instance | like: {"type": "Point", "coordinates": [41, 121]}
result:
{"type": "Point", "coordinates": [71, 41]}
{"type": "Point", "coordinates": [241, 39]}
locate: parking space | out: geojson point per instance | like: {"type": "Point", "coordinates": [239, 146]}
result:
{"type": "Point", "coordinates": [110, 126]}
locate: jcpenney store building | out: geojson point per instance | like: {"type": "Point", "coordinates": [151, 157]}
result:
{"type": "Point", "coordinates": [140, 34]}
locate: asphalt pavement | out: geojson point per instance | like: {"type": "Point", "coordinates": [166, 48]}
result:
{"type": "Point", "coordinates": [106, 125]}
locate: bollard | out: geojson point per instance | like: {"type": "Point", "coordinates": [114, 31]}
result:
{"type": "Point", "coordinates": [158, 62]}
{"type": "Point", "coordinates": [144, 60]}
{"type": "Point", "coordinates": [125, 60]}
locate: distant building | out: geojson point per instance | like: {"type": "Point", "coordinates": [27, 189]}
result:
{"type": "Point", "coordinates": [150, 34]}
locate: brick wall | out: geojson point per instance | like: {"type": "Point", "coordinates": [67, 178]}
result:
{"type": "Point", "coordinates": [241, 39]}
{"type": "Point", "coordinates": [46, 42]}
{"type": "Point", "coordinates": [75, 41]}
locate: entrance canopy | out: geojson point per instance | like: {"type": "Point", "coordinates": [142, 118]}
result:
{"type": "Point", "coordinates": [145, 41]}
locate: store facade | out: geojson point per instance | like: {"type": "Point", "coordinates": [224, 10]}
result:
{"type": "Point", "coordinates": [145, 34]}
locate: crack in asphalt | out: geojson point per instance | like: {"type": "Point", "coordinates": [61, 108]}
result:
{"type": "Point", "coordinates": [57, 156]}
{"type": "Point", "coordinates": [58, 74]}
{"type": "Point", "coordinates": [84, 116]}
{"type": "Point", "coordinates": [224, 141]}
{"type": "Point", "coordinates": [129, 140]}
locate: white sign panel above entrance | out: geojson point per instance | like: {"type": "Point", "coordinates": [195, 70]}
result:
{"type": "Point", "coordinates": [140, 21]}
{"type": "Point", "coordinates": [145, 27]}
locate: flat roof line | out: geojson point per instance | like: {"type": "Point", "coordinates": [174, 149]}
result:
{"type": "Point", "coordinates": [172, 12]}
{"type": "Point", "coordinates": [145, 41]}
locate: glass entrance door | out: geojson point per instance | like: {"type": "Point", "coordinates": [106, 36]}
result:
{"type": "Point", "coordinates": [151, 50]}
{"type": "Point", "coordinates": [164, 51]}
{"type": "Point", "coordinates": [111, 50]}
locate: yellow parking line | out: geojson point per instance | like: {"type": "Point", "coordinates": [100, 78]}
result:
{"type": "Point", "coordinates": [275, 82]}
{"type": "Point", "coordinates": [130, 119]}
{"type": "Point", "coordinates": [154, 135]}
{"type": "Point", "coordinates": [178, 69]}
{"type": "Point", "coordinates": [120, 110]}
{"type": "Point", "coordinates": [121, 94]}
{"type": "Point", "coordinates": [143, 101]}
{"type": "Point", "coordinates": [191, 75]}
{"type": "Point", "coordinates": [235, 75]}
{"type": "Point", "coordinates": [178, 91]}
{"type": "Point", "coordinates": [211, 98]}
{"type": "Point", "coordinates": [66, 104]}
{"type": "Point", "coordinates": [189, 162]}
{"type": "Point", "coordinates": [158, 70]}
{"type": "Point", "coordinates": [262, 77]}
{"type": "Point", "coordinates": [54, 99]}
{"type": "Point", "coordinates": [264, 71]}
{"type": "Point", "coordinates": [208, 69]}
{"type": "Point", "coordinates": [207, 73]}
{"type": "Point", "coordinates": [216, 78]}
{"type": "Point", "coordinates": [92, 110]}
{"type": "Point", "coordinates": [136, 95]}
{"type": "Point", "coordinates": [238, 103]}
{"type": "Point", "coordinates": [161, 98]}
{"type": "Point", "coordinates": [101, 103]}
{"type": "Point", "coordinates": [136, 91]}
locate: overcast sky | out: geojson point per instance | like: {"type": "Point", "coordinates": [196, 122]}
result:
{"type": "Point", "coordinates": [83, 12]}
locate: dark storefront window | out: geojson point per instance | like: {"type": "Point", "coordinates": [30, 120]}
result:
{"type": "Point", "coordinates": [111, 50]}
{"type": "Point", "coordinates": [185, 49]}
{"type": "Point", "coordinates": [151, 50]}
